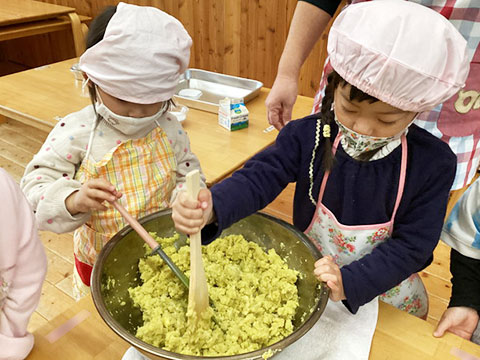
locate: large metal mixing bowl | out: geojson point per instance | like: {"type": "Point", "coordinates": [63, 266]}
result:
{"type": "Point", "coordinates": [119, 260]}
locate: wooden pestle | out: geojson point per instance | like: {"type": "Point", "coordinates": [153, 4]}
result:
{"type": "Point", "coordinates": [198, 290]}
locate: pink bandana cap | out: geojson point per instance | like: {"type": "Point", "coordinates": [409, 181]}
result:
{"type": "Point", "coordinates": [399, 52]}
{"type": "Point", "coordinates": [141, 56]}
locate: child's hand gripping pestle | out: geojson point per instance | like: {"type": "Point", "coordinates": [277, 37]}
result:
{"type": "Point", "coordinates": [156, 248]}
{"type": "Point", "coordinates": [198, 291]}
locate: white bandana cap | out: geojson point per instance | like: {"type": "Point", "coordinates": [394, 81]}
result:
{"type": "Point", "coordinates": [400, 52]}
{"type": "Point", "coordinates": [141, 56]}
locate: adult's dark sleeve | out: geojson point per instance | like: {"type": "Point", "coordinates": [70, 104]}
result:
{"type": "Point", "coordinates": [465, 281]}
{"type": "Point", "coordinates": [329, 6]}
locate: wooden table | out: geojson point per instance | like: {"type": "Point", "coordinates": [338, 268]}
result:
{"type": "Point", "coordinates": [41, 96]}
{"type": "Point", "coordinates": [20, 18]}
{"type": "Point", "coordinates": [398, 336]}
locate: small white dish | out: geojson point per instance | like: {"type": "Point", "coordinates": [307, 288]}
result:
{"type": "Point", "coordinates": [190, 93]}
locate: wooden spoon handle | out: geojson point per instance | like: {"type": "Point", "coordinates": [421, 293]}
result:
{"type": "Point", "coordinates": [198, 290]}
{"type": "Point", "coordinates": [151, 242]}
{"type": "Point", "coordinates": [136, 225]}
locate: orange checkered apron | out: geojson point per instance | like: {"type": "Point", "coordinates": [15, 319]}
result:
{"type": "Point", "coordinates": [143, 170]}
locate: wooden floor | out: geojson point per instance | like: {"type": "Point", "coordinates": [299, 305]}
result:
{"type": "Point", "coordinates": [18, 144]}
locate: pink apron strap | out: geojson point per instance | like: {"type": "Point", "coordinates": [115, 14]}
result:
{"type": "Point", "coordinates": [401, 183]}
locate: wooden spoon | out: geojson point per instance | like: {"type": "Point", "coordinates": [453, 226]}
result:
{"type": "Point", "coordinates": [198, 290]}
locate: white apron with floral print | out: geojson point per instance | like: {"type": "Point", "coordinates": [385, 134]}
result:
{"type": "Point", "coordinates": [349, 243]}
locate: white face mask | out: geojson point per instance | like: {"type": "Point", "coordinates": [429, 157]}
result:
{"type": "Point", "coordinates": [356, 144]}
{"type": "Point", "coordinates": [126, 124]}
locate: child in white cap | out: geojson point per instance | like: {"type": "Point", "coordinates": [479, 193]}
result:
{"type": "Point", "coordinates": [23, 266]}
{"type": "Point", "coordinates": [371, 187]}
{"type": "Point", "coordinates": [125, 143]}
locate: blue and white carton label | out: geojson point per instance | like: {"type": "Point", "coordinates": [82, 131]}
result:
{"type": "Point", "coordinates": [232, 114]}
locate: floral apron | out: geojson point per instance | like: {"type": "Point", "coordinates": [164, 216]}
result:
{"type": "Point", "coordinates": [143, 170]}
{"type": "Point", "coordinates": [348, 243]}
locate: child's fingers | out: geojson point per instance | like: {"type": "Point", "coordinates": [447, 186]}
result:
{"type": "Point", "coordinates": [186, 224]}
{"type": "Point", "coordinates": [335, 292]}
{"type": "Point", "coordinates": [188, 227]}
{"type": "Point", "coordinates": [101, 184]}
{"type": "Point", "coordinates": [185, 230]}
{"type": "Point", "coordinates": [326, 277]}
{"type": "Point", "coordinates": [204, 198]}
{"type": "Point", "coordinates": [332, 282]}
{"type": "Point", "coordinates": [333, 287]}
{"type": "Point", "coordinates": [324, 269]}
{"type": "Point", "coordinates": [442, 326]}
{"type": "Point", "coordinates": [100, 195]}
{"type": "Point", "coordinates": [187, 215]}
{"type": "Point", "coordinates": [117, 194]}
{"type": "Point", "coordinates": [324, 260]}
{"type": "Point", "coordinates": [94, 204]}
{"type": "Point", "coordinates": [188, 221]}
{"type": "Point", "coordinates": [186, 202]}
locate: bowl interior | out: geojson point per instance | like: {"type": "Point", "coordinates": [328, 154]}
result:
{"type": "Point", "coordinates": [118, 265]}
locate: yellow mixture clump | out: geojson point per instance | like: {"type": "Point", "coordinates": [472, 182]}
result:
{"type": "Point", "coordinates": [254, 294]}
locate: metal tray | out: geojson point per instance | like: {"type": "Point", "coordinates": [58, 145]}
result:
{"type": "Point", "coordinates": [214, 87]}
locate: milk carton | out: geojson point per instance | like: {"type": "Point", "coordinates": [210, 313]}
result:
{"type": "Point", "coordinates": [232, 114]}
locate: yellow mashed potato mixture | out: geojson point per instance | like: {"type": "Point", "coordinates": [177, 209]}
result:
{"type": "Point", "coordinates": [254, 295]}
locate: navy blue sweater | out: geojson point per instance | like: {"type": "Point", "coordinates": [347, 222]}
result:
{"type": "Point", "coordinates": [358, 193]}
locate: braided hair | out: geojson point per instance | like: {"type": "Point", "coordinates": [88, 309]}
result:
{"type": "Point", "coordinates": [327, 118]}
{"type": "Point", "coordinates": [324, 121]}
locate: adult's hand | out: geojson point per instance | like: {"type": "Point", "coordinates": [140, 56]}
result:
{"type": "Point", "coordinates": [280, 101]}
{"type": "Point", "coordinates": [308, 23]}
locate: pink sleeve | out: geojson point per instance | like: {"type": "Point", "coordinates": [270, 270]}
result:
{"type": "Point", "coordinates": [23, 266]}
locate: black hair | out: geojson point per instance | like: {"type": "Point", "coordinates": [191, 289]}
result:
{"type": "Point", "coordinates": [327, 116]}
{"type": "Point", "coordinates": [95, 35]}
{"type": "Point", "coordinates": [99, 25]}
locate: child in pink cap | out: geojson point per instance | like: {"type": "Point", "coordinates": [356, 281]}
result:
{"type": "Point", "coordinates": [125, 143]}
{"type": "Point", "coordinates": [371, 187]}
{"type": "Point", "coordinates": [23, 265]}
{"type": "Point", "coordinates": [455, 121]}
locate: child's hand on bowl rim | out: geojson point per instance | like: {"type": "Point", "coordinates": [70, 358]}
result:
{"type": "Point", "coordinates": [328, 271]}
